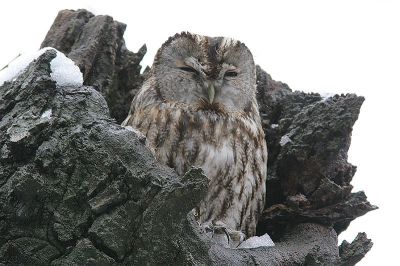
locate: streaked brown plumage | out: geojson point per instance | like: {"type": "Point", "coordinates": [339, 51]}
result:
{"type": "Point", "coordinates": [198, 108]}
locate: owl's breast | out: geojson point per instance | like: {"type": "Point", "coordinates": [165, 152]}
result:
{"type": "Point", "coordinates": [182, 138]}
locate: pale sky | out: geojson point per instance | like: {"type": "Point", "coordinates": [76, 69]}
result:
{"type": "Point", "coordinates": [337, 46]}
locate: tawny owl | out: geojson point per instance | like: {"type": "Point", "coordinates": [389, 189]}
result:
{"type": "Point", "coordinates": [198, 108]}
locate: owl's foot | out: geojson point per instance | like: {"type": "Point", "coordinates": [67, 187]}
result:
{"type": "Point", "coordinates": [218, 233]}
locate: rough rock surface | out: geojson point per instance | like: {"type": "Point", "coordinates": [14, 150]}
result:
{"type": "Point", "coordinates": [308, 138]}
{"type": "Point", "coordinates": [76, 183]}
{"type": "Point", "coordinates": [96, 45]}
{"type": "Point", "coordinates": [78, 189]}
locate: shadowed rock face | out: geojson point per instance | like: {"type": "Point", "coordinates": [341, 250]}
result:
{"type": "Point", "coordinates": [75, 187]}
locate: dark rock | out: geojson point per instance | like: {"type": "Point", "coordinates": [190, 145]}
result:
{"type": "Point", "coordinates": [114, 231]}
{"type": "Point", "coordinates": [308, 138]}
{"type": "Point", "coordinates": [77, 175]}
{"type": "Point", "coordinates": [28, 251]}
{"type": "Point", "coordinates": [96, 45]}
{"type": "Point", "coordinates": [77, 188]}
{"type": "Point", "coordinates": [85, 254]}
{"type": "Point", "coordinates": [298, 245]}
{"type": "Point", "coordinates": [277, 218]}
{"type": "Point", "coordinates": [352, 253]}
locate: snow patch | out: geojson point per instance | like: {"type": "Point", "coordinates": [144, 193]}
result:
{"type": "Point", "coordinates": [17, 66]}
{"type": "Point", "coordinates": [17, 136]}
{"type": "Point", "coordinates": [274, 126]}
{"type": "Point", "coordinates": [285, 139]}
{"type": "Point", "coordinates": [46, 114]}
{"type": "Point", "coordinates": [253, 242]}
{"type": "Point", "coordinates": [64, 70]}
{"type": "Point", "coordinates": [325, 96]}
{"type": "Point", "coordinates": [258, 241]}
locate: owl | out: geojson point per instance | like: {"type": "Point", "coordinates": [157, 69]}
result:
{"type": "Point", "coordinates": [198, 108]}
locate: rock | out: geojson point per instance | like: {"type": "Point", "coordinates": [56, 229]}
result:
{"type": "Point", "coordinates": [69, 177]}
{"type": "Point", "coordinates": [85, 254]}
{"type": "Point", "coordinates": [352, 253]}
{"type": "Point", "coordinates": [28, 251]}
{"type": "Point", "coordinates": [113, 231]}
{"type": "Point", "coordinates": [75, 187]}
{"type": "Point", "coordinates": [96, 45]}
{"type": "Point", "coordinates": [308, 138]}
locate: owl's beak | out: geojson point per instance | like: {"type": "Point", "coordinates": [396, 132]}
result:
{"type": "Point", "coordinates": [211, 93]}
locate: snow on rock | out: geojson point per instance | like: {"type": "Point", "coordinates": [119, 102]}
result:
{"type": "Point", "coordinates": [64, 70]}
{"type": "Point", "coordinates": [326, 95]}
{"type": "Point", "coordinates": [253, 242]}
{"type": "Point", "coordinates": [46, 114]}
{"type": "Point", "coordinates": [274, 126]}
{"type": "Point", "coordinates": [285, 139]}
{"type": "Point", "coordinates": [258, 241]}
{"type": "Point", "coordinates": [16, 66]}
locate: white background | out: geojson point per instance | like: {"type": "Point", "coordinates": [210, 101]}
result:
{"type": "Point", "coordinates": [324, 46]}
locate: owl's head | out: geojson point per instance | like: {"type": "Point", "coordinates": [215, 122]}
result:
{"type": "Point", "coordinates": [204, 73]}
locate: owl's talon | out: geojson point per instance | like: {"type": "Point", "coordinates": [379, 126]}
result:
{"type": "Point", "coordinates": [241, 240]}
{"type": "Point", "coordinates": [208, 229]}
{"type": "Point", "coordinates": [232, 236]}
{"type": "Point", "coordinates": [226, 233]}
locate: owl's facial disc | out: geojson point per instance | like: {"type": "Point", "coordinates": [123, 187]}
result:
{"type": "Point", "coordinates": [213, 85]}
{"type": "Point", "coordinates": [204, 73]}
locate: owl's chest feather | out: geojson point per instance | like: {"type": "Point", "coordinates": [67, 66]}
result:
{"type": "Point", "coordinates": [183, 138]}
